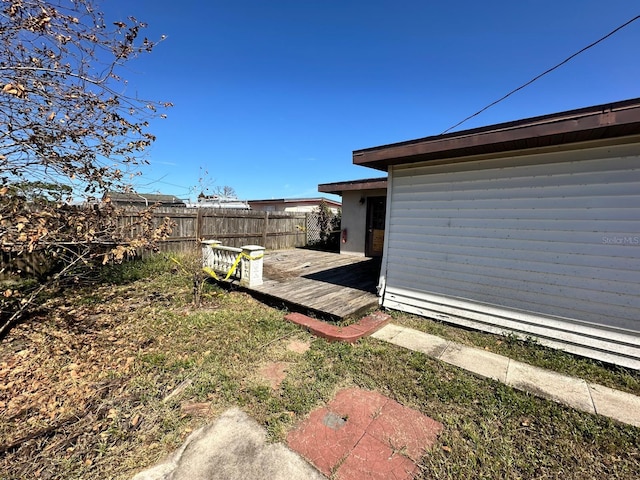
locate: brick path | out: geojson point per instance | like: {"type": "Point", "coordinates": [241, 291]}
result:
{"type": "Point", "coordinates": [364, 435]}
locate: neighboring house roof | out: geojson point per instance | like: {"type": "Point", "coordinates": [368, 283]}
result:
{"type": "Point", "coordinates": [143, 198]}
{"type": "Point", "coordinates": [350, 185]}
{"type": "Point", "coordinates": [220, 202]}
{"type": "Point", "coordinates": [296, 201]}
{"type": "Point", "coordinates": [600, 122]}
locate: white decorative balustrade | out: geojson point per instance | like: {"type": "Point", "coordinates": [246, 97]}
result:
{"type": "Point", "coordinates": [231, 263]}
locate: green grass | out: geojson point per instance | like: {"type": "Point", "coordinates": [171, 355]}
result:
{"type": "Point", "coordinates": [136, 269]}
{"type": "Point", "coordinates": [491, 430]}
{"type": "Point", "coordinates": [529, 351]}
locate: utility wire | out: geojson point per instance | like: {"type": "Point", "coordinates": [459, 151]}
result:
{"type": "Point", "coordinates": [542, 74]}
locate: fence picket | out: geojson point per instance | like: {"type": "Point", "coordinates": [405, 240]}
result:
{"type": "Point", "coordinates": [235, 228]}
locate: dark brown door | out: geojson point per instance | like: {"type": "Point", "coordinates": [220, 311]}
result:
{"type": "Point", "coordinates": [376, 212]}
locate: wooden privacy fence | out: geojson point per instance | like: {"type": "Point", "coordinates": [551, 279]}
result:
{"type": "Point", "coordinates": [234, 228]}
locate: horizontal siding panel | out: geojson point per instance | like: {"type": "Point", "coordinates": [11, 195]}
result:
{"type": "Point", "coordinates": [520, 170]}
{"type": "Point", "coordinates": [566, 253]}
{"type": "Point", "coordinates": [560, 239]}
{"type": "Point", "coordinates": [561, 325]}
{"type": "Point", "coordinates": [534, 264]}
{"type": "Point", "coordinates": [568, 325]}
{"type": "Point", "coordinates": [510, 272]}
{"type": "Point", "coordinates": [554, 301]}
{"type": "Point", "coordinates": [598, 342]}
{"type": "Point", "coordinates": [570, 186]}
{"type": "Point", "coordinates": [628, 214]}
{"type": "Point", "coordinates": [570, 225]}
{"type": "Point", "coordinates": [548, 202]}
{"type": "Point", "coordinates": [521, 184]}
{"type": "Point", "coordinates": [437, 233]}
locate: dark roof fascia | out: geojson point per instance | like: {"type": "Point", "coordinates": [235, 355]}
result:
{"type": "Point", "coordinates": [599, 122]}
{"type": "Point", "coordinates": [365, 184]}
{"type": "Point", "coordinates": [295, 200]}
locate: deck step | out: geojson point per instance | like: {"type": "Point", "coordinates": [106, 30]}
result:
{"type": "Point", "coordinates": [350, 334]}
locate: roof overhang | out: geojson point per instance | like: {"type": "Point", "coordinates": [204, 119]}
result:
{"type": "Point", "coordinates": [297, 201]}
{"type": "Point", "coordinates": [365, 184]}
{"type": "Point", "coordinates": [601, 122]}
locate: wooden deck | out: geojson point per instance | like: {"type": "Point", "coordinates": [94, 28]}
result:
{"type": "Point", "coordinates": [326, 284]}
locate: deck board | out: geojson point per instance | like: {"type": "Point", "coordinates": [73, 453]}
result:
{"type": "Point", "coordinates": [329, 284]}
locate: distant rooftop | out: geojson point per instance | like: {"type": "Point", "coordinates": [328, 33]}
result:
{"type": "Point", "coordinates": [143, 198]}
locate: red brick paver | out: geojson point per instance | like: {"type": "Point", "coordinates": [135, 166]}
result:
{"type": "Point", "coordinates": [404, 429]}
{"type": "Point", "coordinates": [351, 333]}
{"type": "Point", "coordinates": [373, 459]}
{"type": "Point", "coordinates": [364, 435]}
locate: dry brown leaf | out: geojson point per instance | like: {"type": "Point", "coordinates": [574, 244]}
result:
{"type": "Point", "coordinates": [135, 421]}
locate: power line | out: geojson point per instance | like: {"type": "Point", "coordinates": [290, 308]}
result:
{"type": "Point", "coordinates": [543, 74]}
{"type": "Point", "coordinates": [153, 182]}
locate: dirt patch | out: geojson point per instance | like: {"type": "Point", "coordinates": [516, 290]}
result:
{"type": "Point", "coordinates": [274, 373]}
{"type": "Point", "coordinates": [298, 346]}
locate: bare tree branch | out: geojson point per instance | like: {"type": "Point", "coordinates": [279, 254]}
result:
{"type": "Point", "coordinates": [69, 132]}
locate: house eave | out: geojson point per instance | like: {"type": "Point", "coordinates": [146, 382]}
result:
{"type": "Point", "coordinates": [296, 201]}
{"type": "Point", "coordinates": [599, 123]}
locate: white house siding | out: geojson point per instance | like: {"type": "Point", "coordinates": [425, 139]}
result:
{"type": "Point", "coordinates": [543, 245]}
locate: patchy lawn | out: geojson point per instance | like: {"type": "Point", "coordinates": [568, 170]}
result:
{"type": "Point", "coordinates": [528, 351]}
{"type": "Point", "coordinates": [115, 376]}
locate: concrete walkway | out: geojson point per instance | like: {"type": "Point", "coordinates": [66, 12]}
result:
{"type": "Point", "coordinates": [234, 446]}
{"type": "Point", "coordinates": [571, 391]}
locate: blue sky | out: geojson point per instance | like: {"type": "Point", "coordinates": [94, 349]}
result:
{"type": "Point", "coordinates": [271, 98]}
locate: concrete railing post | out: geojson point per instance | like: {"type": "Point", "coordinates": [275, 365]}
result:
{"type": "Point", "coordinates": [252, 266]}
{"type": "Point", "coordinates": [207, 252]}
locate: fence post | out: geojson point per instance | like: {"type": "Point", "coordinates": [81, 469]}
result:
{"type": "Point", "coordinates": [306, 229]}
{"type": "Point", "coordinates": [198, 232]}
{"type": "Point", "coordinates": [252, 267]}
{"type": "Point", "coordinates": [266, 228]}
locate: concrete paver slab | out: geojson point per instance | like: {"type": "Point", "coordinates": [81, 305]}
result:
{"type": "Point", "coordinates": [388, 332]}
{"type": "Point", "coordinates": [545, 383]}
{"type": "Point", "coordinates": [420, 342]}
{"type": "Point", "coordinates": [234, 446]}
{"type": "Point", "coordinates": [480, 362]}
{"type": "Point", "coordinates": [615, 404]}
{"type": "Point", "coordinates": [571, 391]}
